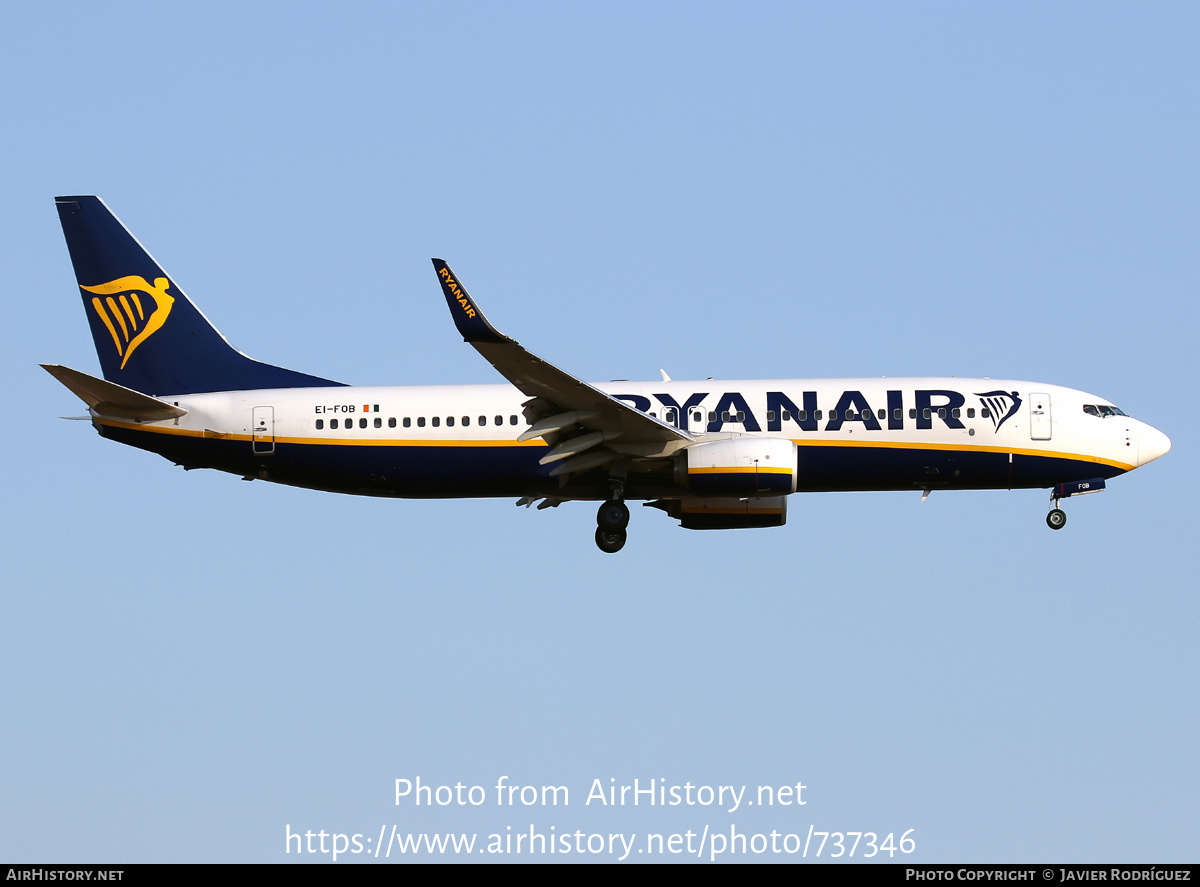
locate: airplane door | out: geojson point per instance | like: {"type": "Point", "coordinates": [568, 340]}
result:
{"type": "Point", "coordinates": [696, 423]}
{"type": "Point", "coordinates": [1039, 416]}
{"type": "Point", "coordinates": [262, 435]}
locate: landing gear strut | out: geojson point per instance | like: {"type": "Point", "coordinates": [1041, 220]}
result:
{"type": "Point", "coordinates": [1057, 518]}
{"type": "Point", "coordinates": [611, 520]}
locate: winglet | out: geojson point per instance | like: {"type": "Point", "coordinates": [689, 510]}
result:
{"type": "Point", "coordinates": [470, 321]}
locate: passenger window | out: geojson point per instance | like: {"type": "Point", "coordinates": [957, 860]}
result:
{"type": "Point", "coordinates": [741, 416]}
{"type": "Point", "coordinates": [882, 414]}
{"type": "Point", "coordinates": [378, 422]}
{"type": "Point", "coordinates": [499, 420]}
{"type": "Point", "coordinates": [392, 422]}
{"type": "Point", "coordinates": [436, 420]}
{"type": "Point", "coordinates": [407, 422]}
{"type": "Point", "coordinates": [787, 415]}
{"type": "Point", "coordinates": [712, 417]}
{"type": "Point", "coordinates": [333, 423]}
{"type": "Point", "coordinates": [320, 424]}
{"type": "Point", "coordinates": [466, 420]}
{"type": "Point", "coordinates": [912, 414]}
{"type": "Point", "coordinates": [832, 415]}
{"type": "Point", "coordinates": [362, 423]}
{"type": "Point", "coordinates": [897, 415]}
{"type": "Point", "coordinates": [420, 421]}
{"type": "Point", "coordinates": [725, 415]}
{"type": "Point", "coordinates": [483, 420]}
{"type": "Point", "coordinates": [941, 412]}
{"type": "Point", "coordinates": [770, 415]}
{"type": "Point", "coordinates": [970, 412]}
{"type": "Point", "coordinates": [653, 415]}
{"type": "Point", "coordinates": [449, 421]}
{"type": "Point", "coordinates": [669, 417]}
{"type": "Point", "coordinates": [512, 420]}
{"type": "Point", "coordinates": [955, 412]}
{"type": "Point", "coordinates": [925, 413]}
{"type": "Point", "coordinates": [697, 416]}
{"type": "Point", "coordinates": [985, 413]}
{"type": "Point", "coordinates": [802, 415]}
{"type": "Point", "coordinates": [817, 414]}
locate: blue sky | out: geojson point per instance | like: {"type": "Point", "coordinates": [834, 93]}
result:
{"type": "Point", "coordinates": [773, 190]}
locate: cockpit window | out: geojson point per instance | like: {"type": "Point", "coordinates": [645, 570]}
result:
{"type": "Point", "coordinates": [1091, 409]}
{"type": "Point", "coordinates": [1101, 410]}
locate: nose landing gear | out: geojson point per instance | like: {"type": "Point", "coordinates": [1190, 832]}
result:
{"type": "Point", "coordinates": [1057, 518]}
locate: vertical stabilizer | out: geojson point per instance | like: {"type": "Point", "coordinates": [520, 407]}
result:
{"type": "Point", "coordinates": [148, 334]}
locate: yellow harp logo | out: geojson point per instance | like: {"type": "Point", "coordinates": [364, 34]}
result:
{"type": "Point", "coordinates": [125, 312]}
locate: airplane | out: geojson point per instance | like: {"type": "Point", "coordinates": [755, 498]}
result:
{"type": "Point", "coordinates": [712, 454]}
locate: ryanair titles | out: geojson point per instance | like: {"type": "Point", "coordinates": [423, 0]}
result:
{"type": "Point", "coordinates": [456, 291]}
{"type": "Point", "coordinates": [917, 409]}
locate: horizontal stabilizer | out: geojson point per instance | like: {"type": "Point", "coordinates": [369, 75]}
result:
{"type": "Point", "coordinates": [111, 399]}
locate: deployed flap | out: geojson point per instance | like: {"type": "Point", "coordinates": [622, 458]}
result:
{"type": "Point", "coordinates": [536, 378]}
{"type": "Point", "coordinates": [111, 399]}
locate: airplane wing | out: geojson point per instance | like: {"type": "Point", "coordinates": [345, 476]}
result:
{"type": "Point", "coordinates": [587, 426]}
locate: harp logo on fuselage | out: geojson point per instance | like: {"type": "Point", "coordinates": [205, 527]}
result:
{"type": "Point", "coordinates": [1002, 405]}
{"type": "Point", "coordinates": [127, 319]}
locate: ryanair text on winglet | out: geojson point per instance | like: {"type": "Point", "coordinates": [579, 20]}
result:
{"type": "Point", "coordinates": [453, 286]}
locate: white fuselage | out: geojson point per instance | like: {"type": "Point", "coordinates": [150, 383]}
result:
{"type": "Point", "coordinates": [850, 433]}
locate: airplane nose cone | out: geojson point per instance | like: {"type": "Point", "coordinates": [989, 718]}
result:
{"type": "Point", "coordinates": [1152, 443]}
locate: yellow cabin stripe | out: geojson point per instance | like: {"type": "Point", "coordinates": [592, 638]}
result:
{"type": "Point", "coordinates": [318, 441]}
{"type": "Point", "coordinates": [538, 442]}
{"type": "Point", "coordinates": [965, 448]}
{"type": "Point", "coordinates": [739, 470]}
{"type": "Point", "coordinates": [755, 511]}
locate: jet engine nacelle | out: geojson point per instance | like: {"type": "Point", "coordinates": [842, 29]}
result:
{"type": "Point", "coordinates": [739, 466]}
{"type": "Point", "coordinates": [726, 513]}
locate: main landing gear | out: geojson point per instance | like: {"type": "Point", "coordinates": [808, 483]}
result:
{"type": "Point", "coordinates": [611, 521]}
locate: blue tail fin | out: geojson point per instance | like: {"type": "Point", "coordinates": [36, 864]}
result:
{"type": "Point", "coordinates": [148, 335]}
